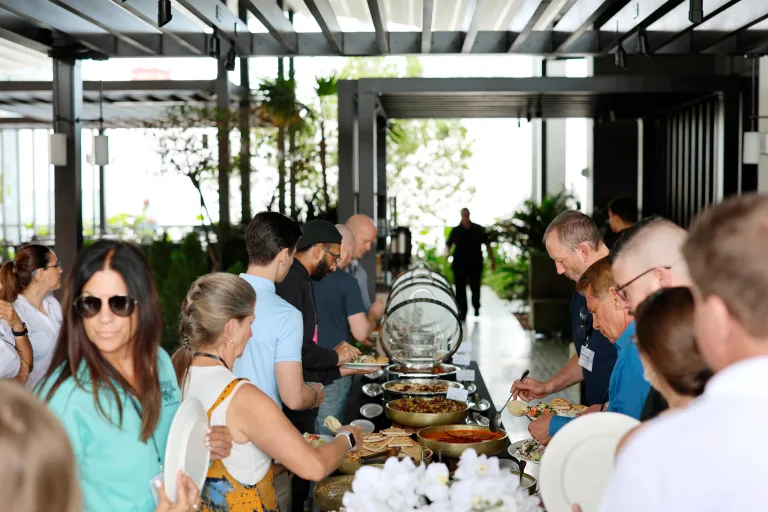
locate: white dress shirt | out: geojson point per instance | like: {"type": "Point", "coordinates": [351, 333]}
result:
{"type": "Point", "coordinates": [711, 456]}
{"type": "Point", "coordinates": [10, 362]}
{"type": "Point", "coordinates": [43, 333]}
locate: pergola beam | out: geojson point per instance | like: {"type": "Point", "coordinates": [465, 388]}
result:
{"type": "Point", "coordinates": [690, 29]}
{"type": "Point", "coordinates": [646, 22]}
{"type": "Point", "coordinates": [474, 27]}
{"type": "Point", "coordinates": [520, 40]}
{"type": "Point", "coordinates": [325, 17]}
{"type": "Point", "coordinates": [273, 18]}
{"type": "Point", "coordinates": [607, 10]}
{"type": "Point", "coordinates": [428, 11]}
{"type": "Point", "coordinates": [218, 16]}
{"type": "Point", "coordinates": [379, 19]}
{"type": "Point", "coordinates": [730, 36]}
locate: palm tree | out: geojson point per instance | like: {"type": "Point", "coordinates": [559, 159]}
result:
{"type": "Point", "coordinates": [280, 109]}
{"type": "Point", "coordinates": [326, 87]}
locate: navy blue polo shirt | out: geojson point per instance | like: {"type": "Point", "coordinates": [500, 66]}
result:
{"type": "Point", "coordinates": [597, 380]}
{"type": "Point", "coordinates": [337, 297]}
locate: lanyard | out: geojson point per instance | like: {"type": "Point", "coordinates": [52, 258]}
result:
{"type": "Point", "coordinates": [154, 443]}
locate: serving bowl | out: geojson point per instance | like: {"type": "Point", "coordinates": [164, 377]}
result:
{"type": "Point", "coordinates": [455, 450]}
{"type": "Point", "coordinates": [329, 493]}
{"type": "Point", "coordinates": [424, 419]}
{"type": "Point", "coordinates": [392, 394]}
{"type": "Point", "coordinates": [446, 372]}
{"type": "Point", "coordinates": [349, 467]}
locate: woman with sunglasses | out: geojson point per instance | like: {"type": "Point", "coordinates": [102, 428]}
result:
{"type": "Point", "coordinates": [112, 386]}
{"type": "Point", "coordinates": [27, 282]}
{"type": "Point", "coordinates": [216, 320]}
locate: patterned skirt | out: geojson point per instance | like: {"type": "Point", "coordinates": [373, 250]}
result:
{"type": "Point", "coordinates": [223, 493]}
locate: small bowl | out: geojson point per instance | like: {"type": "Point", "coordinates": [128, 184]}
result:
{"type": "Point", "coordinates": [481, 406]}
{"type": "Point", "coordinates": [370, 411]}
{"type": "Point", "coordinates": [470, 387]}
{"type": "Point", "coordinates": [375, 375]}
{"type": "Point", "coordinates": [366, 426]}
{"type": "Point", "coordinates": [373, 389]}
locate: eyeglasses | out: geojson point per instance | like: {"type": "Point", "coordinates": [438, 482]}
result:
{"type": "Point", "coordinates": [622, 290]}
{"type": "Point", "coordinates": [337, 257]}
{"type": "Point", "coordinates": [88, 306]}
{"type": "Point", "coordinates": [55, 265]}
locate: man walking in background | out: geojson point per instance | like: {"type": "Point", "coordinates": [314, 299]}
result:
{"type": "Point", "coordinates": [467, 240]}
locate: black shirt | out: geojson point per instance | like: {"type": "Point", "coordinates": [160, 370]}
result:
{"type": "Point", "coordinates": [469, 245]}
{"type": "Point", "coordinates": [654, 405]}
{"type": "Point", "coordinates": [596, 382]}
{"type": "Point", "coordinates": [319, 364]}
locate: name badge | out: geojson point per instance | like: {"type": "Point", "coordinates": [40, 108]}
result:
{"type": "Point", "coordinates": [586, 358]}
{"type": "Point", "coordinates": [153, 486]}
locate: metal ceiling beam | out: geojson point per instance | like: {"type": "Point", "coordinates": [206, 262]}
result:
{"type": "Point", "coordinates": [217, 15]}
{"type": "Point", "coordinates": [474, 27]}
{"type": "Point", "coordinates": [175, 30]}
{"type": "Point", "coordinates": [731, 35]}
{"type": "Point", "coordinates": [273, 18]}
{"type": "Point", "coordinates": [520, 40]}
{"type": "Point", "coordinates": [607, 10]}
{"type": "Point", "coordinates": [688, 30]}
{"type": "Point", "coordinates": [32, 37]}
{"type": "Point", "coordinates": [428, 11]}
{"type": "Point", "coordinates": [649, 20]}
{"type": "Point", "coordinates": [55, 17]}
{"type": "Point", "coordinates": [379, 19]}
{"type": "Point", "coordinates": [325, 17]}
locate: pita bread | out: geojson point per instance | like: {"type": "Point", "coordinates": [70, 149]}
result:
{"type": "Point", "coordinates": [372, 438]}
{"type": "Point", "coordinates": [392, 431]}
{"type": "Point", "coordinates": [332, 424]}
{"type": "Point", "coordinates": [413, 452]}
{"type": "Point", "coordinates": [560, 404]}
{"type": "Point", "coordinates": [578, 408]}
{"type": "Point", "coordinates": [376, 447]}
{"type": "Point", "coordinates": [517, 408]}
{"type": "Point", "coordinates": [400, 442]}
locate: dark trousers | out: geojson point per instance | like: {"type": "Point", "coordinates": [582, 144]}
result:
{"type": "Point", "coordinates": [463, 276]}
{"type": "Point", "coordinates": [304, 421]}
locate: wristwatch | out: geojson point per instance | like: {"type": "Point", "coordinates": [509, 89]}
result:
{"type": "Point", "coordinates": [350, 437]}
{"type": "Point", "coordinates": [21, 333]}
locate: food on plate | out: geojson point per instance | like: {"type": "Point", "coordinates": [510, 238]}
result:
{"type": "Point", "coordinates": [372, 438]}
{"type": "Point", "coordinates": [530, 450]}
{"type": "Point", "coordinates": [462, 436]}
{"type": "Point", "coordinates": [414, 451]}
{"type": "Point", "coordinates": [517, 408]}
{"type": "Point", "coordinates": [372, 360]}
{"type": "Point", "coordinates": [400, 442]}
{"type": "Point", "coordinates": [332, 424]}
{"type": "Point", "coordinates": [313, 439]}
{"type": "Point", "coordinates": [437, 370]}
{"type": "Point", "coordinates": [538, 410]}
{"type": "Point", "coordinates": [560, 404]}
{"type": "Point", "coordinates": [427, 405]}
{"type": "Point", "coordinates": [578, 408]}
{"type": "Point", "coordinates": [416, 387]}
{"type": "Point", "coordinates": [377, 443]}
{"type": "Point", "coordinates": [392, 431]}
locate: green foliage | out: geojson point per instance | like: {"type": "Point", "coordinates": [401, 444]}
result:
{"type": "Point", "coordinates": [435, 260]}
{"type": "Point", "coordinates": [279, 106]}
{"type": "Point", "coordinates": [237, 268]}
{"type": "Point", "coordinates": [510, 279]}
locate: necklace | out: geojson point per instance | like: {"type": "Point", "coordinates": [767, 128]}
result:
{"type": "Point", "coordinates": [212, 356]}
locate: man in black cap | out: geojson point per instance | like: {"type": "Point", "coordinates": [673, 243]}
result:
{"type": "Point", "coordinates": [317, 254]}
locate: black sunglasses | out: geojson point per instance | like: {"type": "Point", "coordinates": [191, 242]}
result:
{"type": "Point", "coordinates": [88, 306]}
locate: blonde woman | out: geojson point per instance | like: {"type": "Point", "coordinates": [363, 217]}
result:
{"type": "Point", "coordinates": [215, 326]}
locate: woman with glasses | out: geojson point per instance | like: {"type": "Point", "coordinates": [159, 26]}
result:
{"type": "Point", "coordinates": [27, 282]}
{"type": "Point", "coordinates": [216, 320]}
{"type": "Point", "coordinates": [112, 386]}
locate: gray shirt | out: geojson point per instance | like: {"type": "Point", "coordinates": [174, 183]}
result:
{"type": "Point", "coordinates": [359, 273]}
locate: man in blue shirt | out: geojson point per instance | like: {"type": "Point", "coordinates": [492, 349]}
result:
{"type": "Point", "coordinates": [574, 243]}
{"type": "Point", "coordinates": [341, 315]}
{"type": "Point", "coordinates": [628, 388]}
{"type": "Point", "coordinates": [364, 230]}
{"type": "Point", "coordinates": [272, 357]}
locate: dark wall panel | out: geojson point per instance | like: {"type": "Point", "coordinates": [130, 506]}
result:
{"type": "Point", "coordinates": [615, 161]}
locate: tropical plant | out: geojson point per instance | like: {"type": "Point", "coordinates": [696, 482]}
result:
{"type": "Point", "coordinates": [326, 89]}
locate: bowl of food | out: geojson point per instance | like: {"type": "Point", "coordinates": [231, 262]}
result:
{"type": "Point", "coordinates": [377, 446]}
{"type": "Point", "coordinates": [329, 493]}
{"type": "Point", "coordinates": [401, 388]}
{"type": "Point", "coordinates": [528, 484]}
{"type": "Point", "coordinates": [441, 371]}
{"type": "Point", "coordinates": [426, 412]}
{"type": "Point", "coordinates": [453, 440]}
{"type": "Point", "coordinates": [529, 450]}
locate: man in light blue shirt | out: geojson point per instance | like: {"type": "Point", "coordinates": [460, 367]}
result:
{"type": "Point", "coordinates": [272, 357]}
{"type": "Point", "coordinates": [627, 388]}
{"type": "Point", "coordinates": [364, 231]}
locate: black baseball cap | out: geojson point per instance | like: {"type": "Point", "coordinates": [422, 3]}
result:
{"type": "Point", "coordinates": [318, 232]}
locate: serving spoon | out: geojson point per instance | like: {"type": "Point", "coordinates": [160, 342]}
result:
{"type": "Point", "coordinates": [496, 422]}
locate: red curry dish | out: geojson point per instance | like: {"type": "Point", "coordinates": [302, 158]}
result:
{"type": "Point", "coordinates": [427, 405]}
{"type": "Point", "coordinates": [462, 436]}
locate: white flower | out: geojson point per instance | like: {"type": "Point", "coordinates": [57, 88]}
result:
{"type": "Point", "coordinates": [434, 483]}
{"type": "Point", "coordinates": [471, 466]}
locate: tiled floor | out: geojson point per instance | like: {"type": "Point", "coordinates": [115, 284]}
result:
{"type": "Point", "coordinates": [503, 351]}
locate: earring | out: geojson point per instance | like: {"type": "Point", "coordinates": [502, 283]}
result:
{"type": "Point", "coordinates": [232, 340]}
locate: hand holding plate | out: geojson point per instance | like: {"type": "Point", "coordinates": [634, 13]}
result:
{"type": "Point", "coordinates": [187, 500]}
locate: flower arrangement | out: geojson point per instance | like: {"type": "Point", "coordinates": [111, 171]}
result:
{"type": "Point", "coordinates": [478, 485]}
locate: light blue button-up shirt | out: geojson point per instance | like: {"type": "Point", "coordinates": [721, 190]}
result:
{"type": "Point", "coordinates": [627, 389]}
{"type": "Point", "coordinates": [277, 337]}
{"type": "Point", "coordinates": [356, 269]}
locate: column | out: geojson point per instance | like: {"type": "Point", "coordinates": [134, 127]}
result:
{"type": "Point", "coordinates": [553, 143]}
{"type": "Point", "coordinates": [245, 131]}
{"type": "Point", "coordinates": [102, 198]}
{"type": "Point", "coordinates": [382, 222]}
{"type": "Point", "coordinates": [222, 116]}
{"type": "Point", "coordinates": [366, 167]}
{"type": "Point", "coordinates": [762, 164]}
{"type": "Point", "coordinates": [347, 89]}
{"type": "Point", "coordinates": [67, 113]}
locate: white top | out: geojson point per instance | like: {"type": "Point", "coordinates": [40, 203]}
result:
{"type": "Point", "coordinates": [10, 362]}
{"type": "Point", "coordinates": [43, 333]}
{"type": "Point", "coordinates": [246, 462]}
{"type": "Point", "coordinates": [711, 456]}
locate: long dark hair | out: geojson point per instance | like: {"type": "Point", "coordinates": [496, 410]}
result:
{"type": "Point", "coordinates": [665, 333]}
{"type": "Point", "coordinates": [16, 274]}
{"type": "Point", "coordinates": [74, 347]}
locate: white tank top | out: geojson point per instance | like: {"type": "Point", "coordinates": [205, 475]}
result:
{"type": "Point", "coordinates": [246, 462]}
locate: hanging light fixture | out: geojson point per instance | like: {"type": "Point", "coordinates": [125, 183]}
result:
{"type": "Point", "coordinates": [214, 46]}
{"type": "Point", "coordinates": [57, 149]}
{"type": "Point", "coordinates": [101, 142]}
{"type": "Point", "coordinates": [229, 63]}
{"type": "Point", "coordinates": [621, 56]}
{"type": "Point", "coordinates": [164, 13]}
{"type": "Point", "coordinates": [642, 43]}
{"type": "Point", "coordinates": [696, 11]}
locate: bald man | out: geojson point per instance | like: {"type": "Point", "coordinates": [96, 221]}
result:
{"type": "Point", "coordinates": [364, 230]}
{"type": "Point", "coordinates": [648, 257]}
{"type": "Point", "coordinates": [341, 316]}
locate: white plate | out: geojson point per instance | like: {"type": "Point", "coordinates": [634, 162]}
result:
{"type": "Point", "coordinates": [186, 449]}
{"type": "Point", "coordinates": [578, 462]}
{"type": "Point", "coordinates": [363, 365]}
{"type": "Point", "coordinates": [371, 410]}
{"type": "Point", "coordinates": [366, 426]}
{"type": "Point", "coordinates": [513, 451]}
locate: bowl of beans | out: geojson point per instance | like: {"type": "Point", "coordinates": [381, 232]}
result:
{"type": "Point", "coordinates": [426, 412]}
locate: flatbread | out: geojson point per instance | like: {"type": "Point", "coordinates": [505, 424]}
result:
{"type": "Point", "coordinates": [413, 452]}
{"type": "Point", "coordinates": [400, 442]}
{"type": "Point", "coordinates": [332, 424]}
{"type": "Point", "coordinates": [376, 447]}
{"type": "Point", "coordinates": [392, 431]}
{"type": "Point", "coordinates": [517, 408]}
{"type": "Point", "coordinates": [561, 404]}
{"type": "Point", "coordinates": [578, 408]}
{"type": "Point", "coordinates": [372, 438]}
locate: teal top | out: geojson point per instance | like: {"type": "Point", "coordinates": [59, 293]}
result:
{"type": "Point", "coordinates": [114, 466]}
